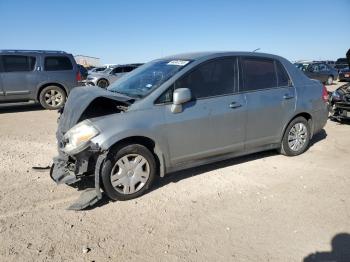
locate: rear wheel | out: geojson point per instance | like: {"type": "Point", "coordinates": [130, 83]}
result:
{"type": "Point", "coordinates": [103, 83]}
{"type": "Point", "coordinates": [296, 138]}
{"type": "Point", "coordinates": [128, 172]}
{"type": "Point", "coordinates": [52, 97]}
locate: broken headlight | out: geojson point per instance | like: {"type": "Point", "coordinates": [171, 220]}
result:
{"type": "Point", "coordinates": [78, 137]}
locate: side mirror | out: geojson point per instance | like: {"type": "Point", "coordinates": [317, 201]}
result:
{"type": "Point", "coordinates": [180, 96]}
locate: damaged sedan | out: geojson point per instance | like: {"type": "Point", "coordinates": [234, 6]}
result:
{"type": "Point", "coordinates": [184, 111]}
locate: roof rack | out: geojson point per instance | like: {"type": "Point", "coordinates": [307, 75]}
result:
{"type": "Point", "coordinates": [31, 51]}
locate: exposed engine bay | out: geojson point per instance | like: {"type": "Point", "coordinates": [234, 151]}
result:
{"type": "Point", "coordinates": [69, 169]}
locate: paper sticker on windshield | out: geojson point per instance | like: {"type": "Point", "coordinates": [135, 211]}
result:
{"type": "Point", "coordinates": [178, 62]}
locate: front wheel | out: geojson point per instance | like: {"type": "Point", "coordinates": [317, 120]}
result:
{"type": "Point", "coordinates": [103, 83]}
{"type": "Point", "coordinates": [52, 97]}
{"type": "Point", "coordinates": [296, 138]}
{"type": "Point", "coordinates": [128, 172]}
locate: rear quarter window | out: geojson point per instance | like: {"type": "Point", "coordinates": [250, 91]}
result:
{"type": "Point", "coordinates": [57, 63]}
{"type": "Point", "coordinates": [282, 75]}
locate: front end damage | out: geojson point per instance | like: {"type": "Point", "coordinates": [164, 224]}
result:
{"type": "Point", "coordinates": [70, 170]}
{"type": "Point", "coordinates": [340, 103]}
{"type": "Point", "coordinates": [78, 164]}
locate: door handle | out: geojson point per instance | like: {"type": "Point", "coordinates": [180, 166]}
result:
{"type": "Point", "coordinates": [286, 97]}
{"type": "Point", "coordinates": [234, 105]}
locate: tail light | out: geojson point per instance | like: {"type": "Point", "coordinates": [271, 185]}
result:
{"type": "Point", "coordinates": [325, 94]}
{"type": "Point", "coordinates": [79, 76]}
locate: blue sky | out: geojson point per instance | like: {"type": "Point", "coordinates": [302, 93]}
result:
{"type": "Point", "coordinates": [139, 31]}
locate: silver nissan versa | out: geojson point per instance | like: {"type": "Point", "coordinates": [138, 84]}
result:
{"type": "Point", "coordinates": [183, 111]}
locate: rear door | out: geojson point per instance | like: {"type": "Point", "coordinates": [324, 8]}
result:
{"type": "Point", "coordinates": [213, 123]}
{"type": "Point", "coordinates": [18, 77]}
{"type": "Point", "coordinates": [270, 100]}
{"type": "Point", "coordinates": [61, 70]}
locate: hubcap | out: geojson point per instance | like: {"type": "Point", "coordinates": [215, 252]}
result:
{"type": "Point", "coordinates": [297, 136]}
{"type": "Point", "coordinates": [130, 173]}
{"type": "Point", "coordinates": [53, 98]}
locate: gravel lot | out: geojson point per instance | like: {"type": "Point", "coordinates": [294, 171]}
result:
{"type": "Point", "coordinates": [264, 207]}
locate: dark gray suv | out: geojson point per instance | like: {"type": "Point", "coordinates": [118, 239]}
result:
{"type": "Point", "coordinates": [43, 76]}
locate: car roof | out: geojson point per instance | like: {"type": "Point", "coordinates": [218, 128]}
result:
{"type": "Point", "coordinates": [12, 51]}
{"type": "Point", "coordinates": [213, 54]}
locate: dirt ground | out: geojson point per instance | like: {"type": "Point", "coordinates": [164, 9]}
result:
{"type": "Point", "coordinates": [263, 207]}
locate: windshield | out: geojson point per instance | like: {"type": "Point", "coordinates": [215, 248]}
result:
{"type": "Point", "coordinates": [148, 77]}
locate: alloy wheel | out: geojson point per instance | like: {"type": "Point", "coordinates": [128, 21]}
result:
{"type": "Point", "coordinates": [53, 98]}
{"type": "Point", "coordinates": [297, 136]}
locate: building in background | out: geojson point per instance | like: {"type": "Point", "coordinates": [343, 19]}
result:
{"type": "Point", "coordinates": [87, 61]}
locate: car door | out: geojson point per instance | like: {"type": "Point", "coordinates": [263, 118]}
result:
{"type": "Point", "coordinates": [213, 123]}
{"type": "Point", "coordinates": [313, 72]}
{"type": "Point", "coordinates": [324, 72]}
{"type": "Point", "coordinates": [270, 100]}
{"type": "Point", "coordinates": [59, 69]}
{"type": "Point", "coordinates": [18, 77]}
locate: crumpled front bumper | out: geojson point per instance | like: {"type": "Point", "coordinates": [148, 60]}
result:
{"type": "Point", "coordinates": [71, 169]}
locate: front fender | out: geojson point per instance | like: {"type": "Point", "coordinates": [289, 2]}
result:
{"type": "Point", "coordinates": [141, 123]}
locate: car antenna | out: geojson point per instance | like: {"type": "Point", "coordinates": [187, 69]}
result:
{"type": "Point", "coordinates": [256, 50]}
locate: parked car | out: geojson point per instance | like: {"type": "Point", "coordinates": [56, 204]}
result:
{"type": "Point", "coordinates": [46, 77]}
{"type": "Point", "coordinates": [339, 101]}
{"type": "Point", "coordinates": [328, 62]}
{"type": "Point", "coordinates": [341, 63]}
{"type": "Point", "coordinates": [319, 71]}
{"type": "Point", "coordinates": [109, 75]}
{"type": "Point", "coordinates": [344, 74]}
{"type": "Point", "coordinates": [183, 111]}
{"type": "Point", "coordinates": [83, 72]}
{"type": "Point", "coordinates": [97, 69]}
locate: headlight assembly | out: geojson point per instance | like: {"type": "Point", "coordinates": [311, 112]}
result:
{"type": "Point", "coordinates": [78, 137]}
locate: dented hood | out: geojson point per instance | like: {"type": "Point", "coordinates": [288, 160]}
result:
{"type": "Point", "coordinates": [78, 101]}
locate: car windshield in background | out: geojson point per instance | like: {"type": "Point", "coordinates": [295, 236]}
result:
{"type": "Point", "coordinates": [148, 77]}
{"type": "Point", "coordinates": [302, 67]}
{"type": "Point", "coordinates": [106, 71]}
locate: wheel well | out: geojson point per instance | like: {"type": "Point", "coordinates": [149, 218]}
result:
{"type": "Point", "coordinates": [142, 140]}
{"type": "Point", "coordinates": [305, 115]}
{"type": "Point", "coordinates": [50, 84]}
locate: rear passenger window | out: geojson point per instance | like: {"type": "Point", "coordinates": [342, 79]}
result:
{"type": "Point", "coordinates": [128, 69]}
{"type": "Point", "coordinates": [57, 63]}
{"type": "Point", "coordinates": [210, 79]}
{"type": "Point", "coordinates": [117, 70]}
{"type": "Point", "coordinates": [258, 73]}
{"type": "Point", "coordinates": [18, 63]}
{"type": "Point", "coordinates": [282, 76]}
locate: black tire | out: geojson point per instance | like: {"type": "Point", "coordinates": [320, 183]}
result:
{"type": "Point", "coordinates": [285, 147]}
{"type": "Point", "coordinates": [46, 97]}
{"type": "Point", "coordinates": [103, 83]}
{"type": "Point", "coordinates": [112, 159]}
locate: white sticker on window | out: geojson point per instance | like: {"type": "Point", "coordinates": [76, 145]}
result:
{"type": "Point", "coordinates": [178, 62]}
